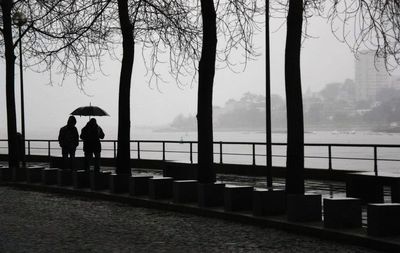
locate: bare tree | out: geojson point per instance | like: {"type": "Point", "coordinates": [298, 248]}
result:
{"type": "Point", "coordinates": [367, 25]}
{"type": "Point", "coordinates": [235, 23]}
{"type": "Point", "coordinates": [204, 98]}
{"type": "Point", "coordinates": [6, 30]}
{"type": "Point", "coordinates": [70, 37]}
{"type": "Point", "coordinates": [46, 37]}
{"type": "Point", "coordinates": [294, 103]}
{"type": "Point", "coordinates": [361, 24]}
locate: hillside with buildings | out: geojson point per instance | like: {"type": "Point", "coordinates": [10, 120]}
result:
{"type": "Point", "coordinates": [369, 102]}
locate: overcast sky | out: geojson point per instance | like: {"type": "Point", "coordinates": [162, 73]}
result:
{"type": "Point", "coordinates": [324, 60]}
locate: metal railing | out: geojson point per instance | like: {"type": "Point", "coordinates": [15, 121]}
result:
{"type": "Point", "coordinates": [251, 153]}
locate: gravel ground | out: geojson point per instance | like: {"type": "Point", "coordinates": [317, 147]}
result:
{"type": "Point", "coordinates": [41, 222]}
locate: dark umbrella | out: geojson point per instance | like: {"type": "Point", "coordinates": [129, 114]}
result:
{"type": "Point", "coordinates": [89, 111]}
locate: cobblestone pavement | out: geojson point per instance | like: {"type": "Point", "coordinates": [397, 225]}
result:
{"type": "Point", "coordinates": [42, 222]}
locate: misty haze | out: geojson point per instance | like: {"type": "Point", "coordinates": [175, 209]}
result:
{"type": "Point", "coordinates": [157, 105]}
{"type": "Point", "coordinates": [199, 126]}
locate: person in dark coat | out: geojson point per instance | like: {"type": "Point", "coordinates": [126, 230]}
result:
{"type": "Point", "coordinates": [91, 135]}
{"type": "Point", "coordinates": [68, 138]}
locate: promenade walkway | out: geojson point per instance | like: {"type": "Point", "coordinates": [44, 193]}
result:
{"type": "Point", "coordinates": [44, 222]}
{"type": "Point", "coordinates": [65, 219]}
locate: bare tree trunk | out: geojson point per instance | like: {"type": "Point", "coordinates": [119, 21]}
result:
{"type": "Point", "coordinates": [294, 101]}
{"type": "Point", "coordinates": [205, 93]}
{"type": "Point", "coordinates": [10, 84]}
{"type": "Point", "coordinates": [124, 123]}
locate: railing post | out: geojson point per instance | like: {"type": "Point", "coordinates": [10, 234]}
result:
{"type": "Point", "coordinates": [115, 149]}
{"type": "Point", "coordinates": [138, 150]}
{"type": "Point", "coordinates": [376, 160]}
{"type": "Point", "coordinates": [191, 152]}
{"type": "Point", "coordinates": [163, 150]}
{"type": "Point", "coordinates": [254, 154]}
{"type": "Point", "coordinates": [330, 157]}
{"type": "Point", "coordinates": [49, 150]}
{"type": "Point", "coordinates": [220, 152]}
{"type": "Point", "coordinates": [29, 148]}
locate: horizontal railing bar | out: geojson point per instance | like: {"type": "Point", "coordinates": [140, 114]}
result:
{"type": "Point", "coordinates": [160, 148]}
{"type": "Point", "coordinates": [240, 143]}
{"type": "Point", "coordinates": [244, 154]}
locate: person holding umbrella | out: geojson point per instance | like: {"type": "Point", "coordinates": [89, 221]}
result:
{"type": "Point", "coordinates": [68, 138]}
{"type": "Point", "coordinates": [91, 135]}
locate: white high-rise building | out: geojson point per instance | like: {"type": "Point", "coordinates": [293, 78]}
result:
{"type": "Point", "coordinates": [370, 76]}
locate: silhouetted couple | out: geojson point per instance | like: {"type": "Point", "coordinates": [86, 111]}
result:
{"type": "Point", "coordinates": [68, 139]}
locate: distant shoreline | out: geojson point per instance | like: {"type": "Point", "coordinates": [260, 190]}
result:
{"type": "Point", "coordinates": [259, 130]}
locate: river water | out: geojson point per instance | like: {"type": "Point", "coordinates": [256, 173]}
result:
{"type": "Point", "coordinates": [316, 157]}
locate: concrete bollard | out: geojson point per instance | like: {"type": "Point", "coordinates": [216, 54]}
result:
{"type": "Point", "coordinates": [210, 195]}
{"type": "Point", "coordinates": [269, 202]}
{"type": "Point", "coordinates": [184, 191]}
{"type": "Point", "coordinates": [366, 188]}
{"type": "Point", "coordinates": [80, 179]}
{"type": "Point", "coordinates": [304, 207]}
{"type": "Point", "coordinates": [383, 219]}
{"type": "Point", "coordinates": [64, 177]}
{"type": "Point", "coordinates": [342, 213]}
{"type": "Point", "coordinates": [139, 185]}
{"type": "Point", "coordinates": [5, 174]}
{"type": "Point", "coordinates": [19, 174]}
{"type": "Point", "coordinates": [34, 174]}
{"type": "Point", "coordinates": [119, 183]}
{"type": "Point", "coordinates": [99, 180]}
{"type": "Point", "coordinates": [238, 198]}
{"type": "Point", "coordinates": [395, 191]}
{"type": "Point", "coordinates": [160, 187]}
{"type": "Point", "coordinates": [49, 176]}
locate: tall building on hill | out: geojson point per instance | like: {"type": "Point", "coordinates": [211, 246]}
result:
{"type": "Point", "coordinates": [370, 76]}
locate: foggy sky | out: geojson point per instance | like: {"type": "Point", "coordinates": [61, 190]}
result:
{"type": "Point", "coordinates": [324, 60]}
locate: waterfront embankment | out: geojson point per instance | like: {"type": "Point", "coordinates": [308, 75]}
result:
{"type": "Point", "coordinates": [43, 222]}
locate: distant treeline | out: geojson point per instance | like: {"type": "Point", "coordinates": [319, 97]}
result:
{"type": "Point", "coordinates": [246, 113]}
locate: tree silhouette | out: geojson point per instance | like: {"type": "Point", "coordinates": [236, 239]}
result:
{"type": "Point", "coordinates": [71, 37]}
{"type": "Point", "coordinates": [6, 30]}
{"type": "Point", "coordinates": [204, 99]}
{"type": "Point", "coordinates": [235, 22]}
{"type": "Point", "coordinates": [44, 41]}
{"type": "Point", "coordinates": [294, 103]}
{"type": "Point", "coordinates": [361, 24]}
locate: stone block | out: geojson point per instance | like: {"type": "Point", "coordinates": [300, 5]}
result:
{"type": "Point", "coordinates": [64, 177]}
{"type": "Point", "coordinates": [269, 202]}
{"type": "Point", "coordinates": [139, 185]}
{"type": "Point", "coordinates": [238, 198]}
{"type": "Point", "coordinates": [367, 188]}
{"type": "Point", "coordinates": [160, 187]}
{"type": "Point", "coordinates": [210, 195]}
{"type": "Point", "coordinates": [395, 191]}
{"type": "Point", "coordinates": [119, 183]}
{"type": "Point", "coordinates": [19, 174]}
{"type": "Point", "coordinates": [5, 174]}
{"type": "Point", "coordinates": [184, 191]}
{"type": "Point", "coordinates": [34, 174]}
{"type": "Point", "coordinates": [180, 170]}
{"type": "Point", "coordinates": [342, 213]}
{"type": "Point", "coordinates": [80, 179]}
{"type": "Point", "coordinates": [99, 180]}
{"type": "Point", "coordinates": [383, 219]}
{"type": "Point", "coordinates": [49, 176]}
{"type": "Point", "coordinates": [304, 207]}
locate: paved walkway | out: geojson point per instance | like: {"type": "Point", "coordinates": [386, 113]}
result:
{"type": "Point", "coordinates": [42, 222]}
